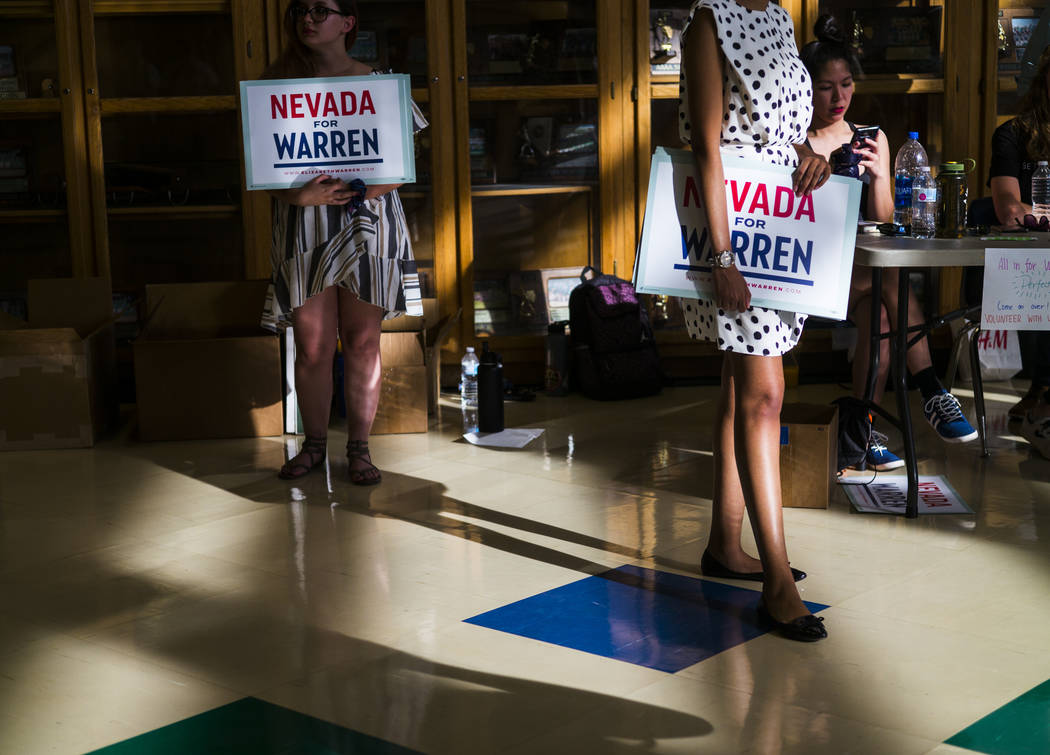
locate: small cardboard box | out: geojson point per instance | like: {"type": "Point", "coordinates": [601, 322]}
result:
{"type": "Point", "coordinates": [58, 371]}
{"type": "Point", "coordinates": [403, 392]}
{"type": "Point", "coordinates": [204, 367]}
{"type": "Point", "coordinates": [808, 454]}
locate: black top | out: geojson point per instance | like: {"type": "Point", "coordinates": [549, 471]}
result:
{"type": "Point", "coordinates": [1010, 157]}
{"type": "Point", "coordinates": [864, 179]}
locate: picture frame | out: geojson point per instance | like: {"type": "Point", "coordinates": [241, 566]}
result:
{"type": "Point", "coordinates": [528, 302]}
{"type": "Point", "coordinates": [898, 40]}
{"type": "Point", "coordinates": [558, 283]}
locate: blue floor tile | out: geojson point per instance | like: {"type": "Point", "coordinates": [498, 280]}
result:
{"type": "Point", "coordinates": [656, 619]}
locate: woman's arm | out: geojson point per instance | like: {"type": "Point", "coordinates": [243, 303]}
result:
{"type": "Point", "coordinates": [703, 65]}
{"type": "Point", "coordinates": [812, 171]}
{"type": "Point", "coordinates": [876, 162]}
{"type": "Point", "coordinates": [1006, 196]}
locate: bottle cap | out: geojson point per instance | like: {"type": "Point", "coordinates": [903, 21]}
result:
{"type": "Point", "coordinates": [913, 135]}
{"type": "Point", "coordinates": [1042, 162]}
{"type": "Point", "coordinates": [952, 167]}
{"type": "Point", "coordinates": [470, 349]}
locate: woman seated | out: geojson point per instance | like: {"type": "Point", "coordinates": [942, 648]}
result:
{"type": "Point", "coordinates": [834, 69]}
{"type": "Point", "coordinates": [1017, 146]}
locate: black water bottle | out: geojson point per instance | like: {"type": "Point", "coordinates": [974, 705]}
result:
{"type": "Point", "coordinates": [490, 391]}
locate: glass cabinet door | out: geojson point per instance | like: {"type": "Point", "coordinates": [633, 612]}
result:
{"type": "Point", "coordinates": [392, 36]}
{"type": "Point", "coordinates": [166, 142]}
{"type": "Point", "coordinates": [532, 131]}
{"type": "Point", "coordinates": [44, 209]}
{"type": "Point", "coordinates": [900, 48]}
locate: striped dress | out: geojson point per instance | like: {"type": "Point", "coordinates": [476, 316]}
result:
{"type": "Point", "coordinates": [369, 253]}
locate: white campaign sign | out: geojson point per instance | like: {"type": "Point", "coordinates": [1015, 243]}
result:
{"type": "Point", "coordinates": [347, 127]}
{"type": "Point", "coordinates": [796, 253]}
{"type": "Point", "coordinates": [1016, 289]}
{"type": "Point", "coordinates": [888, 495]}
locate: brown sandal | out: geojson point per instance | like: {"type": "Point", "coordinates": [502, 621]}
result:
{"type": "Point", "coordinates": [312, 453]}
{"type": "Point", "coordinates": [370, 475]}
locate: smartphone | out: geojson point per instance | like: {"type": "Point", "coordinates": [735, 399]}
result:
{"type": "Point", "coordinates": [862, 133]}
{"type": "Point", "coordinates": [892, 229]}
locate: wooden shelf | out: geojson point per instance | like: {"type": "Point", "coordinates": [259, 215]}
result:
{"type": "Point", "coordinates": [35, 106]}
{"type": "Point", "coordinates": [521, 190]}
{"type": "Point", "coordinates": [26, 9]}
{"type": "Point", "coordinates": [549, 92]}
{"type": "Point", "coordinates": [185, 212]}
{"type": "Point", "coordinates": [660, 89]}
{"type": "Point", "coordinates": [31, 216]}
{"type": "Point", "coordinates": [126, 105]}
{"type": "Point", "coordinates": [146, 7]}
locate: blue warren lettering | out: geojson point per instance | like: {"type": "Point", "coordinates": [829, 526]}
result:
{"type": "Point", "coordinates": [783, 248]}
{"type": "Point", "coordinates": [698, 247]}
{"type": "Point", "coordinates": [788, 254]}
{"type": "Point", "coordinates": [354, 142]}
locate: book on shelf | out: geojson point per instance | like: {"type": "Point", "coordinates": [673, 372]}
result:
{"type": "Point", "coordinates": [14, 185]}
{"type": "Point", "coordinates": [8, 68]}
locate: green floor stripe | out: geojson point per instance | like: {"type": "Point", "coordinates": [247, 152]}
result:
{"type": "Point", "coordinates": [252, 726]}
{"type": "Point", "coordinates": [1021, 727]}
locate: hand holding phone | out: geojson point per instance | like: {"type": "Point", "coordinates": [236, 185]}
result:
{"type": "Point", "coordinates": [862, 133]}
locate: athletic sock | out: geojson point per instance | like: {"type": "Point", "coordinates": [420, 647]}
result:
{"type": "Point", "coordinates": [928, 383]}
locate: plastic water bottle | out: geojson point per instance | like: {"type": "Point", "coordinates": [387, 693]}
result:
{"type": "Point", "coordinates": [924, 205]}
{"type": "Point", "coordinates": [468, 380]}
{"type": "Point", "coordinates": [910, 157]}
{"type": "Point", "coordinates": [1041, 190]}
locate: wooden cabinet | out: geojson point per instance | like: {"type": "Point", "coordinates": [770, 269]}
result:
{"type": "Point", "coordinates": [543, 113]}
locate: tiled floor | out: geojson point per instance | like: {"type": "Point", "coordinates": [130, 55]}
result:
{"type": "Point", "coordinates": [142, 585]}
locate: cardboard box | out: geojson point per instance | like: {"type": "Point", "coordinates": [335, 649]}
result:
{"type": "Point", "coordinates": [204, 367]}
{"type": "Point", "coordinates": [403, 405]}
{"type": "Point", "coordinates": [58, 380]}
{"type": "Point", "coordinates": [808, 454]}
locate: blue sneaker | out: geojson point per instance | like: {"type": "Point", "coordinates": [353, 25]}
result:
{"type": "Point", "coordinates": [880, 458]}
{"type": "Point", "coordinates": [945, 415]}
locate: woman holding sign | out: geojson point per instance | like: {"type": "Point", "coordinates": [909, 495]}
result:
{"type": "Point", "coordinates": [834, 68]}
{"type": "Point", "coordinates": [342, 259]}
{"type": "Point", "coordinates": [745, 93]}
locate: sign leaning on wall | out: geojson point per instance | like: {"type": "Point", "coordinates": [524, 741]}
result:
{"type": "Point", "coordinates": [346, 127]}
{"type": "Point", "coordinates": [796, 253]}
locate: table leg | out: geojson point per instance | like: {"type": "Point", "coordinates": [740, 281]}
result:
{"type": "Point", "coordinates": [978, 391]}
{"type": "Point", "coordinates": [875, 330]}
{"type": "Point", "coordinates": [900, 366]}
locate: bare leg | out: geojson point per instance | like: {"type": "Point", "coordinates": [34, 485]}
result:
{"type": "Point", "coordinates": [314, 329]}
{"type": "Point", "coordinates": [759, 393]}
{"type": "Point", "coordinates": [359, 331]}
{"type": "Point", "coordinates": [727, 511]}
{"type": "Point", "coordinates": [919, 354]}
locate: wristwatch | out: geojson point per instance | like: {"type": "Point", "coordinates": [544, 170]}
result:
{"type": "Point", "coordinates": [724, 259]}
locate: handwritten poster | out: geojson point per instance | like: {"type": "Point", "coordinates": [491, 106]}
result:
{"type": "Point", "coordinates": [796, 253]}
{"type": "Point", "coordinates": [346, 127]}
{"type": "Point", "coordinates": [1016, 289]}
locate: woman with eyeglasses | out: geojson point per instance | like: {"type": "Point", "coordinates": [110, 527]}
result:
{"type": "Point", "coordinates": [342, 259]}
{"type": "Point", "coordinates": [1017, 145]}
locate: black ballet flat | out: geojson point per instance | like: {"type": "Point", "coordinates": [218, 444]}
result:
{"type": "Point", "coordinates": [710, 567]}
{"type": "Point", "coordinates": [808, 628]}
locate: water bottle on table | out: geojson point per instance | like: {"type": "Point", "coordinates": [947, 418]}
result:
{"type": "Point", "coordinates": [923, 205]}
{"type": "Point", "coordinates": [1041, 190]}
{"type": "Point", "coordinates": [910, 157]}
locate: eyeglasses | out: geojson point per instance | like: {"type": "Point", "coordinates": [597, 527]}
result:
{"type": "Point", "coordinates": [319, 13]}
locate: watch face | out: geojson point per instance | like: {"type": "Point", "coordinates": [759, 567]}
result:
{"type": "Point", "coordinates": [725, 258]}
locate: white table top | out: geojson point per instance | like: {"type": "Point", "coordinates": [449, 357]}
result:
{"type": "Point", "coordinates": [877, 250]}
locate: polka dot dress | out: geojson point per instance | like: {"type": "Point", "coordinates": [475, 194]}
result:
{"type": "Point", "coordinates": [767, 103]}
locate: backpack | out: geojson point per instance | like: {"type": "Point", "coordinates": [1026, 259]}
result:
{"type": "Point", "coordinates": [613, 352]}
